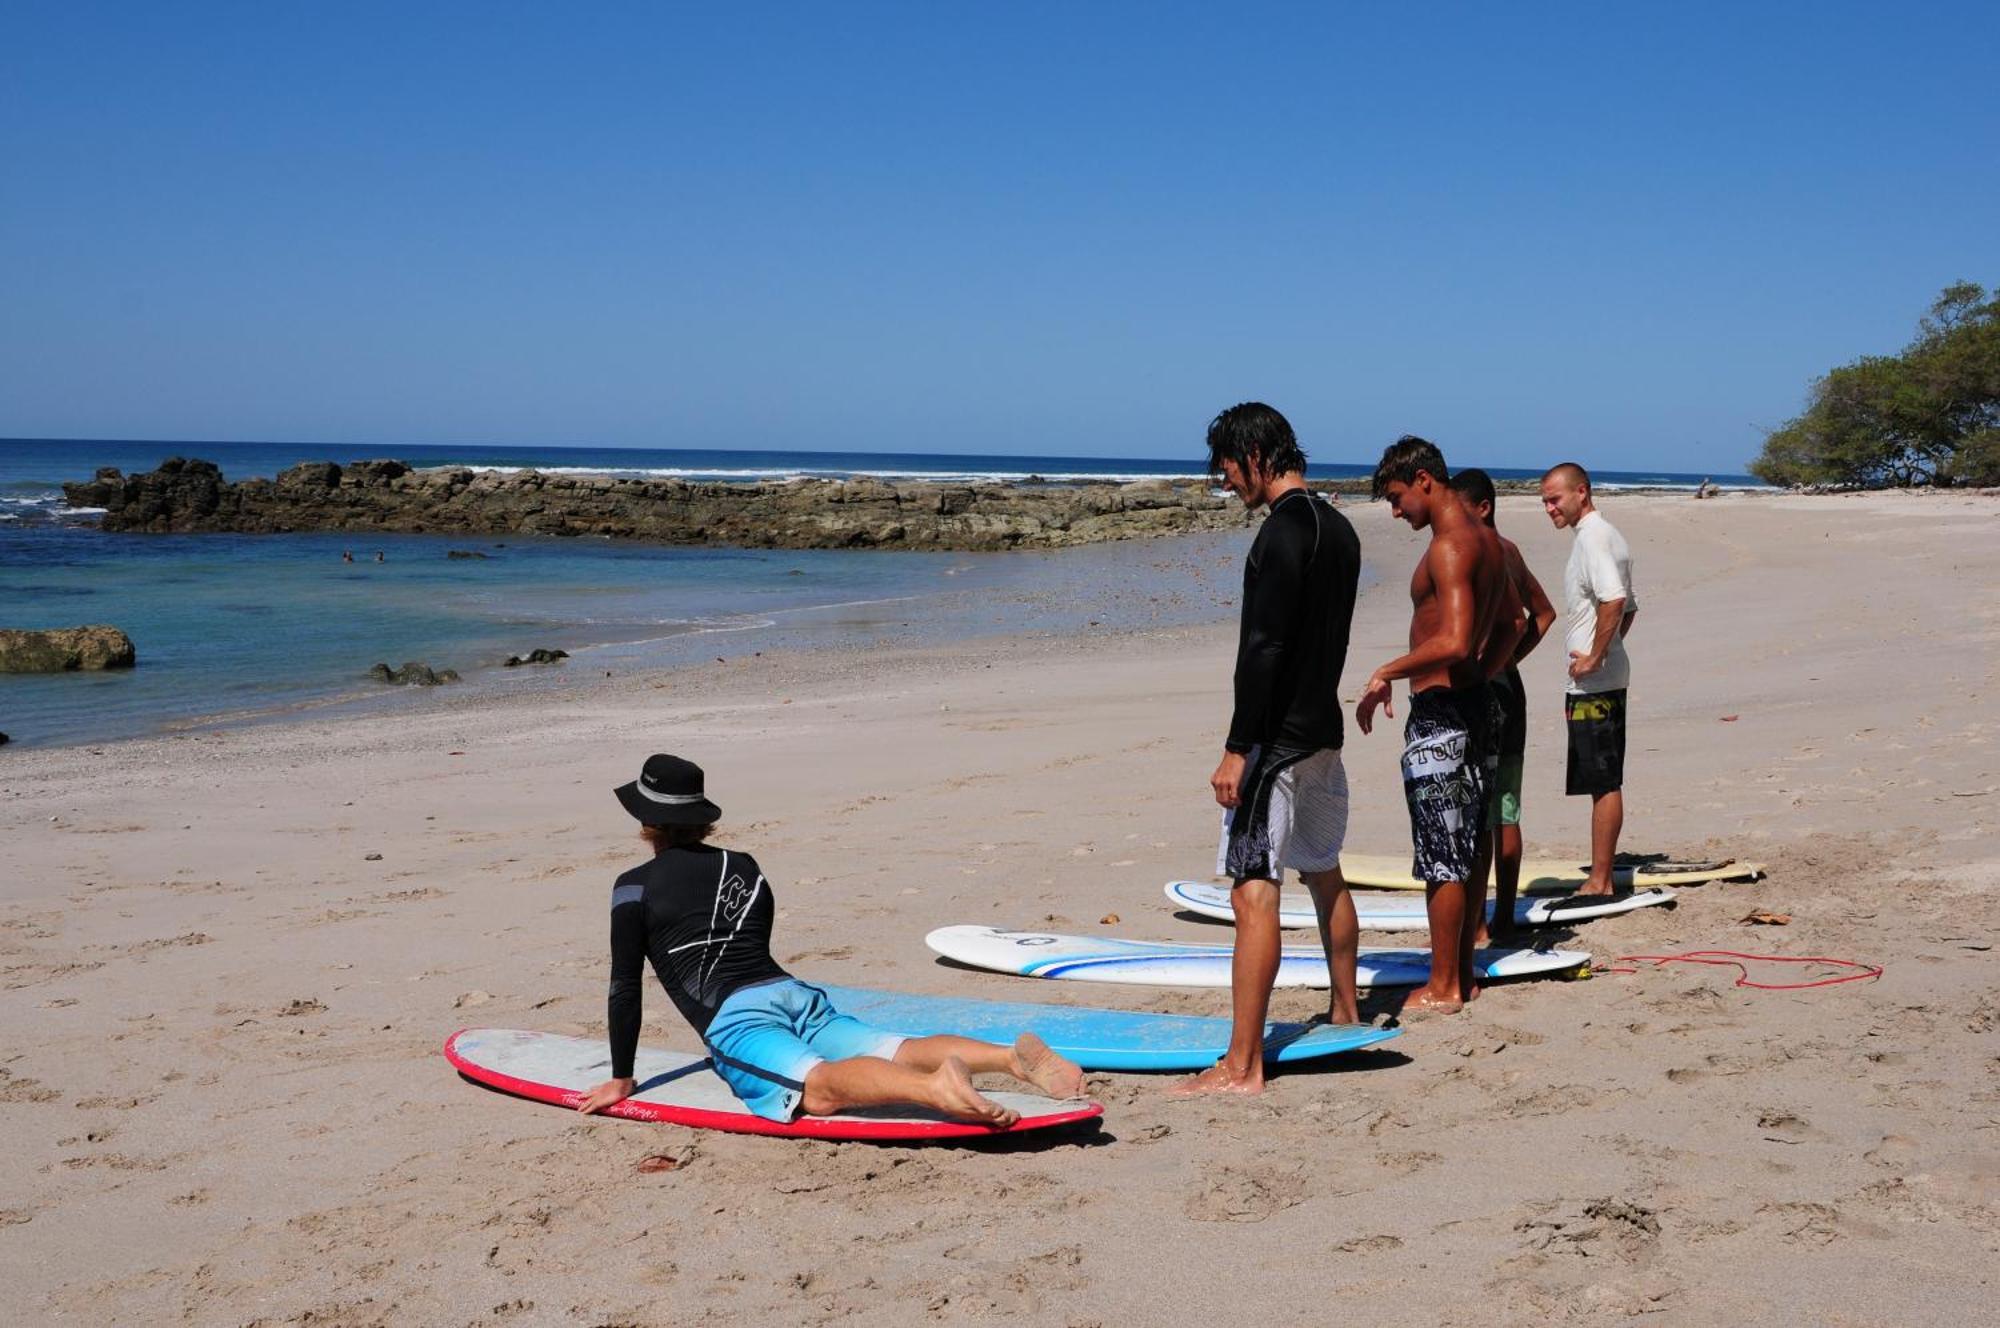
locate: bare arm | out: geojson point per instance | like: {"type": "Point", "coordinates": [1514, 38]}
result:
{"type": "Point", "coordinates": [1451, 582]}
{"type": "Point", "coordinates": [1609, 615]}
{"type": "Point", "coordinates": [1542, 614]}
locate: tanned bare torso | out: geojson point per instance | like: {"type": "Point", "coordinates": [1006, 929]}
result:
{"type": "Point", "coordinates": [1474, 552]}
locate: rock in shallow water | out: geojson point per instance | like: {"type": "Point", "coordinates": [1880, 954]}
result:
{"type": "Point", "coordinates": [536, 656]}
{"type": "Point", "coordinates": [414, 673]}
{"type": "Point", "coordinates": [65, 649]}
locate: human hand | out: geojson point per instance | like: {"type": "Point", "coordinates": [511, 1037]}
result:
{"type": "Point", "coordinates": [1227, 781]}
{"type": "Point", "coordinates": [1379, 692]}
{"type": "Point", "coordinates": [1582, 665]}
{"type": "Point", "coordinates": [609, 1093]}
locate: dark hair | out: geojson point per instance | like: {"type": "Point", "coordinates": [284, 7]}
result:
{"type": "Point", "coordinates": [1253, 432]}
{"type": "Point", "coordinates": [663, 837]}
{"type": "Point", "coordinates": [1570, 471]}
{"type": "Point", "coordinates": [1402, 459]}
{"type": "Point", "coordinates": [1475, 486]}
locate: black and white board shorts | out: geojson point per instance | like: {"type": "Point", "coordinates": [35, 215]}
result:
{"type": "Point", "coordinates": [1291, 812]}
{"type": "Point", "coordinates": [1446, 774]}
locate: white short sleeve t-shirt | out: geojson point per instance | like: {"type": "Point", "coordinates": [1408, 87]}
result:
{"type": "Point", "coordinates": [1599, 571]}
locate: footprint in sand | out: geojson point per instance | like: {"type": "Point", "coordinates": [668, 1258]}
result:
{"type": "Point", "coordinates": [23, 1089]}
{"type": "Point", "coordinates": [1246, 1194]}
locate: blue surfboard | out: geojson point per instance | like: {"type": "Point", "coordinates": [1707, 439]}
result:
{"type": "Point", "coordinates": [1098, 1039]}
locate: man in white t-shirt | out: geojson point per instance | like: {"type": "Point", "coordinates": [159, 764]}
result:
{"type": "Point", "coordinates": [1599, 605]}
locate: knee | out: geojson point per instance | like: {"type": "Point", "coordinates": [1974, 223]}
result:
{"type": "Point", "coordinates": [814, 1098]}
{"type": "Point", "coordinates": [1254, 895]}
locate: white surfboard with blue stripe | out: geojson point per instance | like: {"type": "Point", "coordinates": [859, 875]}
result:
{"type": "Point", "coordinates": [1405, 912]}
{"type": "Point", "coordinates": [1040, 954]}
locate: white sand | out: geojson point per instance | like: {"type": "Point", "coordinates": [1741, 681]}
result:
{"type": "Point", "coordinates": [224, 1102]}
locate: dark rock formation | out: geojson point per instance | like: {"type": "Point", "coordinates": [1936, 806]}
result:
{"type": "Point", "coordinates": [536, 656]}
{"type": "Point", "coordinates": [187, 495]}
{"type": "Point", "coordinates": [64, 649]}
{"type": "Point", "coordinates": [467, 553]}
{"type": "Point", "coordinates": [414, 673]}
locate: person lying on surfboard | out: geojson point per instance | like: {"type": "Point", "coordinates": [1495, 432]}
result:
{"type": "Point", "coordinates": [702, 915]}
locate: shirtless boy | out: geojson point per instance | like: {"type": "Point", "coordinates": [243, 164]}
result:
{"type": "Point", "coordinates": [1457, 594]}
{"type": "Point", "coordinates": [702, 915]}
{"type": "Point", "coordinates": [1526, 619]}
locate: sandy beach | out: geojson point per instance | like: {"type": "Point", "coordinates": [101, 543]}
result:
{"type": "Point", "coordinates": [228, 961]}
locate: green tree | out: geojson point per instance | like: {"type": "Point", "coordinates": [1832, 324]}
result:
{"type": "Point", "coordinates": [1930, 415]}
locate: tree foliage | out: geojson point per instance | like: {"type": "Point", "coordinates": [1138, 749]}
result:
{"type": "Point", "coordinates": [1930, 415]}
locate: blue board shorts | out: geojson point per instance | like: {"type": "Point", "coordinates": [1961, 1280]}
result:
{"type": "Point", "coordinates": [767, 1037]}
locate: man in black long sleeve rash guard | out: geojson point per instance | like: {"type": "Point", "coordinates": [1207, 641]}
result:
{"type": "Point", "coordinates": [1281, 781]}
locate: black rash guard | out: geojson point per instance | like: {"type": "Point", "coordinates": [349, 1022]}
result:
{"type": "Point", "coordinates": [702, 915]}
{"type": "Point", "coordinates": [1298, 603]}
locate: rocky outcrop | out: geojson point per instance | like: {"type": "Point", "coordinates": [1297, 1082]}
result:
{"type": "Point", "coordinates": [538, 655]}
{"type": "Point", "coordinates": [185, 495]}
{"type": "Point", "coordinates": [414, 673]}
{"type": "Point", "coordinates": [65, 649]}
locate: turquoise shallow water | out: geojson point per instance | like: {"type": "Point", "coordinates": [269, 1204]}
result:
{"type": "Point", "coordinates": [232, 627]}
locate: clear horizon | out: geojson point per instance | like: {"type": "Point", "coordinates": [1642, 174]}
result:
{"type": "Point", "coordinates": [1632, 239]}
{"type": "Point", "coordinates": [1192, 460]}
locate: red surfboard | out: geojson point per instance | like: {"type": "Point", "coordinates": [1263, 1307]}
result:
{"type": "Point", "coordinates": [681, 1089]}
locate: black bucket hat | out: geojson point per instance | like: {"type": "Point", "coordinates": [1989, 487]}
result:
{"type": "Point", "coordinates": [668, 792]}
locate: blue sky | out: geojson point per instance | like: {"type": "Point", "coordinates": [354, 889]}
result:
{"type": "Point", "coordinates": [1622, 235]}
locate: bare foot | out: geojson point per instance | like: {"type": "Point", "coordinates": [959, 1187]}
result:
{"type": "Point", "coordinates": [1034, 1063]}
{"type": "Point", "coordinates": [953, 1094]}
{"type": "Point", "coordinates": [1219, 1078]}
{"type": "Point", "coordinates": [1424, 1002]}
{"type": "Point", "coordinates": [1336, 1015]}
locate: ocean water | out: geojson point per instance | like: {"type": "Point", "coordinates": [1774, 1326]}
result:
{"type": "Point", "coordinates": [235, 628]}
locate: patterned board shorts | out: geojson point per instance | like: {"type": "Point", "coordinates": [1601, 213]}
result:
{"type": "Point", "coordinates": [1449, 761]}
{"type": "Point", "coordinates": [1291, 812]}
{"type": "Point", "coordinates": [767, 1037]}
{"type": "Point", "coordinates": [1596, 725]}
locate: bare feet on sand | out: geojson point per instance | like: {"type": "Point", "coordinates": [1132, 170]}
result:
{"type": "Point", "coordinates": [953, 1094]}
{"type": "Point", "coordinates": [1036, 1064]}
{"type": "Point", "coordinates": [1423, 1002]}
{"type": "Point", "coordinates": [1219, 1078]}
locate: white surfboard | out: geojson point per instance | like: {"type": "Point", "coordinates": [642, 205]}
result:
{"type": "Point", "coordinates": [1039, 954]}
{"type": "Point", "coordinates": [1551, 876]}
{"type": "Point", "coordinates": [1405, 912]}
{"type": "Point", "coordinates": [681, 1089]}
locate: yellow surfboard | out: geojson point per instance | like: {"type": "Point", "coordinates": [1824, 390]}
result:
{"type": "Point", "coordinates": [1551, 876]}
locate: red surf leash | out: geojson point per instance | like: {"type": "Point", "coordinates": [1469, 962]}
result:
{"type": "Point", "coordinates": [1740, 962]}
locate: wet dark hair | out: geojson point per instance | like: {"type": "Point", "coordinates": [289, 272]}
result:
{"type": "Point", "coordinates": [663, 837]}
{"type": "Point", "coordinates": [1253, 432]}
{"type": "Point", "coordinates": [1475, 486]}
{"type": "Point", "coordinates": [1402, 459]}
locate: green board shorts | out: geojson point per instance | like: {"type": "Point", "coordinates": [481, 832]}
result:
{"type": "Point", "coordinates": [1504, 806]}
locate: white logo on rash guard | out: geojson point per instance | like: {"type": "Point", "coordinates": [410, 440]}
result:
{"type": "Point", "coordinates": [735, 896]}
